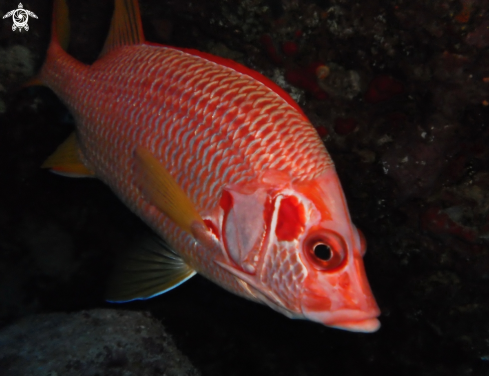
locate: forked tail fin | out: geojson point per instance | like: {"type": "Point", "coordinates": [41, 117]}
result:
{"type": "Point", "coordinates": [60, 36]}
{"type": "Point", "coordinates": [60, 27]}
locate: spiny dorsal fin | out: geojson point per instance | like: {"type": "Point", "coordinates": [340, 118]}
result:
{"type": "Point", "coordinates": [126, 27]}
{"type": "Point", "coordinates": [150, 271]}
{"type": "Point", "coordinates": [66, 160]}
{"type": "Point", "coordinates": [162, 191]}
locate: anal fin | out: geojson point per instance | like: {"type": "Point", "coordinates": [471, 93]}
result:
{"type": "Point", "coordinates": [150, 271]}
{"type": "Point", "coordinates": [66, 160]}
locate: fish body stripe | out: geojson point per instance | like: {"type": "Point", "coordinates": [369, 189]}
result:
{"type": "Point", "coordinates": [210, 125]}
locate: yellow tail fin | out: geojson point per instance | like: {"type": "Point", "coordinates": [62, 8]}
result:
{"type": "Point", "coordinates": [60, 24]}
{"type": "Point", "coordinates": [60, 35]}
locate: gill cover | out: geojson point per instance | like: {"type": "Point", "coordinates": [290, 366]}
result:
{"type": "Point", "coordinates": [243, 226]}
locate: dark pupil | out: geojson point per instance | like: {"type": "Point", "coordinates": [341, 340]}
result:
{"type": "Point", "coordinates": [323, 252]}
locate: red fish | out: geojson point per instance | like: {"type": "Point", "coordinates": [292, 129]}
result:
{"type": "Point", "coordinates": [222, 164]}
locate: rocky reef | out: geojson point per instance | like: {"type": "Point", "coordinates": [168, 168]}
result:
{"type": "Point", "coordinates": [95, 342]}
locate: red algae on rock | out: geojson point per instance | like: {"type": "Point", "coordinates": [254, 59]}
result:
{"type": "Point", "coordinates": [303, 79]}
{"type": "Point", "coordinates": [345, 126]}
{"type": "Point", "coordinates": [382, 88]}
{"type": "Point", "coordinates": [290, 48]}
{"type": "Point", "coordinates": [439, 222]}
{"type": "Point", "coordinates": [271, 49]}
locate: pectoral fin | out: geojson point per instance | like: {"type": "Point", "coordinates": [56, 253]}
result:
{"type": "Point", "coordinates": [66, 160]}
{"type": "Point", "coordinates": [150, 271]}
{"type": "Point", "coordinates": [162, 191]}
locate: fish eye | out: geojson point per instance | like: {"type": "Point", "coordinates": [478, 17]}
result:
{"type": "Point", "coordinates": [325, 250]}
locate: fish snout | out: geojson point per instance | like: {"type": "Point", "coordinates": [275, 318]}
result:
{"type": "Point", "coordinates": [341, 300]}
{"type": "Point", "coordinates": [351, 320]}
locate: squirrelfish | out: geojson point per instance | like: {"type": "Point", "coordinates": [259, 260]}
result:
{"type": "Point", "coordinates": [222, 164]}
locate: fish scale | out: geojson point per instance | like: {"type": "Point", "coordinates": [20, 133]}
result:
{"type": "Point", "coordinates": [221, 163]}
{"type": "Point", "coordinates": [192, 136]}
{"type": "Point", "coordinates": [285, 281]}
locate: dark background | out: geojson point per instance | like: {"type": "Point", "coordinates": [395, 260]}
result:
{"type": "Point", "coordinates": [405, 117]}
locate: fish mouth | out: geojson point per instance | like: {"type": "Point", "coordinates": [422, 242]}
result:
{"type": "Point", "coordinates": [348, 319]}
{"type": "Point", "coordinates": [363, 326]}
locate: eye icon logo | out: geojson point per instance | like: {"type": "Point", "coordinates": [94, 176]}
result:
{"type": "Point", "coordinates": [20, 16]}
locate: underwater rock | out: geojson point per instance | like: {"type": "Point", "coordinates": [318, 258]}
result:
{"type": "Point", "coordinates": [97, 342]}
{"type": "Point", "coordinates": [16, 64]}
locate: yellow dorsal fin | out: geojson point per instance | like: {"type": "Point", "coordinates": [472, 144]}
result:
{"type": "Point", "coordinates": [66, 160]}
{"type": "Point", "coordinates": [126, 27]}
{"type": "Point", "coordinates": [162, 191]}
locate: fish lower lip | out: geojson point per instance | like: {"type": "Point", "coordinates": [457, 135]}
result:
{"type": "Point", "coordinates": [366, 325]}
{"type": "Point", "coordinates": [347, 319]}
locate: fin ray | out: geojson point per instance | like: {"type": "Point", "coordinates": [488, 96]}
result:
{"type": "Point", "coordinates": [147, 273]}
{"type": "Point", "coordinates": [126, 27]}
{"type": "Point", "coordinates": [162, 191]}
{"type": "Point", "coordinates": [66, 160]}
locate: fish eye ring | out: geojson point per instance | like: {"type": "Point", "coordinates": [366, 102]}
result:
{"type": "Point", "coordinates": [325, 250]}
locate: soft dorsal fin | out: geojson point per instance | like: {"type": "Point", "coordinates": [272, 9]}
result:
{"type": "Point", "coordinates": [162, 191]}
{"type": "Point", "coordinates": [66, 160]}
{"type": "Point", "coordinates": [126, 27]}
{"type": "Point", "coordinates": [151, 270]}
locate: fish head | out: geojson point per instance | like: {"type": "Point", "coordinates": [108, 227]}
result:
{"type": "Point", "coordinates": [336, 291]}
{"type": "Point", "coordinates": [293, 246]}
